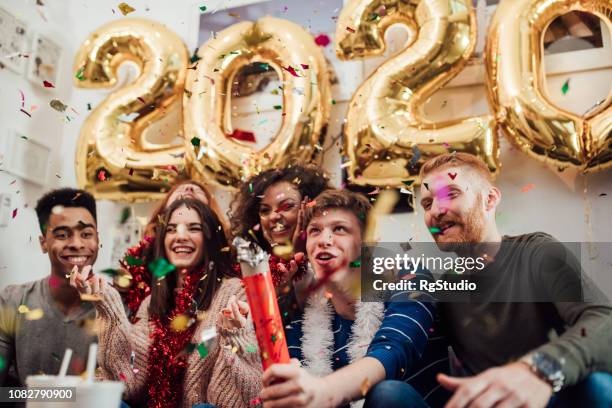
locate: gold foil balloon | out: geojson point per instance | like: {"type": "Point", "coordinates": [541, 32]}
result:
{"type": "Point", "coordinates": [386, 136]}
{"type": "Point", "coordinates": [114, 160]}
{"type": "Point", "coordinates": [517, 88]}
{"type": "Point", "coordinates": [287, 49]}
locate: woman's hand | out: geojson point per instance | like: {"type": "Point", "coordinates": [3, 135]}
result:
{"type": "Point", "coordinates": [288, 273]}
{"type": "Point", "coordinates": [235, 314]}
{"type": "Point", "coordinates": [299, 234]}
{"type": "Point", "coordinates": [86, 282]}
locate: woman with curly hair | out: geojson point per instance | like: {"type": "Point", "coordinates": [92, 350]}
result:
{"type": "Point", "coordinates": [268, 209]}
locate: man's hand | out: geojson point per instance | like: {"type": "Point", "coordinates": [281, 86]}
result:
{"type": "Point", "coordinates": [512, 385]}
{"type": "Point", "coordinates": [289, 385]}
{"type": "Point", "coordinates": [86, 282]}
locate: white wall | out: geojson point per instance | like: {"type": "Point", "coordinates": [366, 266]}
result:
{"type": "Point", "coordinates": [567, 207]}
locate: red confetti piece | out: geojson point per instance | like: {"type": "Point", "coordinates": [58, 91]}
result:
{"type": "Point", "coordinates": [311, 203]}
{"type": "Point", "coordinates": [452, 175]}
{"type": "Point", "coordinates": [304, 66]}
{"type": "Point", "coordinates": [122, 377]}
{"type": "Point", "coordinates": [48, 84]}
{"type": "Point", "coordinates": [141, 100]}
{"type": "Point", "coordinates": [350, 30]}
{"type": "Point", "coordinates": [322, 40]}
{"type": "Point", "coordinates": [528, 187]}
{"type": "Point", "coordinates": [255, 401]}
{"type": "Point", "coordinates": [291, 70]}
{"type": "Point", "coordinates": [102, 175]}
{"type": "Point", "coordinates": [131, 172]}
{"type": "Point", "coordinates": [243, 135]}
{"type": "Point", "coordinates": [14, 212]}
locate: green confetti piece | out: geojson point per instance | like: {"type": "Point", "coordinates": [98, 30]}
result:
{"type": "Point", "coordinates": [435, 230]}
{"type": "Point", "coordinates": [274, 339]}
{"type": "Point", "coordinates": [79, 74]}
{"type": "Point", "coordinates": [2, 363]}
{"type": "Point", "coordinates": [125, 215]}
{"type": "Point", "coordinates": [195, 141]}
{"type": "Point", "coordinates": [565, 87]}
{"type": "Point", "coordinates": [202, 350]}
{"type": "Point", "coordinates": [251, 349]}
{"type": "Point", "coordinates": [250, 187]}
{"type": "Point", "coordinates": [110, 272]}
{"type": "Point", "coordinates": [133, 261]}
{"type": "Point", "coordinates": [333, 101]}
{"type": "Point", "coordinates": [161, 267]}
{"type": "Point", "coordinates": [408, 182]}
{"type": "Point", "coordinates": [278, 107]}
{"type": "Point", "coordinates": [202, 8]}
{"type": "Point", "coordinates": [373, 17]}
{"type": "Point", "coordinates": [355, 264]}
{"type": "Point", "coordinates": [274, 92]}
{"type": "Point", "coordinates": [194, 57]}
{"type": "Point", "coordinates": [264, 66]}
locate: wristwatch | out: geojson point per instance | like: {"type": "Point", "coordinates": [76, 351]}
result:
{"type": "Point", "coordinates": [547, 368]}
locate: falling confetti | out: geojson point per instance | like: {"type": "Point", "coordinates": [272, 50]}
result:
{"type": "Point", "coordinates": [179, 323]}
{"type": "Point", "coordinates": [125, 8]}
{"type": "Point", "coordinates": [278, 107]}
{"type": "Point", "coordinates": [161, 267]}
{"type": "Point", "coordinates": [48, 84]}
{"type": "Point", "coordinates": [195, 141]}
{"type": "Point", "coordinates": [35, 314]}
{"type": "Point", "coordinates": [58, 105]}
{"type": "Point", "coordinates": [251, 349]}
{"type": "Point", "coordinates": [242, 135]}
{"type": "Point", "coordinates": [23, 309]}
{"type": "Point", "coordinates": [14, 212]}
{"type": "Point", "coordinates": [102, 175]}
{"type": "Point", "coordinates": [291, 70]}
{"type": "Point", "coordinates": [2, 363]}
{"type": "Point", "coordinates": [79, 74]}
{"type": "Point", "coordinates": [565, 87]}
{"type": "Point", "coordinates": [202, 8]}
{"type": "Point", "coordinates": [202, 350]}
{"type": "Point", "coordinates": [355, 264]}
{"type": "Point", "coordinates": [435, 230]}
{"type": "Point", "coordinates": [528, 187]}
{"type": "Point", "coordinates": [350, 30]}
{"type": "Point", "coordinates": [452, 175]}
{"type": "Point", "coordinates": [322, 40]}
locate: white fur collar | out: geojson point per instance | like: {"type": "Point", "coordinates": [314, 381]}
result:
{"type": "Point", "coordinates": [318, 337]}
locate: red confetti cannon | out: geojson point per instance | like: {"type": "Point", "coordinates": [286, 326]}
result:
{"type": "Point", "coordinates": [261, 296]}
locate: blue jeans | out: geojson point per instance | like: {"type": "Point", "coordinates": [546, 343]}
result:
{"type": "Point", "coordinates": [394, 394]}
{"type": "Point", "coordinates": [595, 391]}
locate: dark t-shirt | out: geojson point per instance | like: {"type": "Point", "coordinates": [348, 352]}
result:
{"type": "Point", "coordinates": [34, 343]}
{"type": "Point", "coordinates": [530, 298]}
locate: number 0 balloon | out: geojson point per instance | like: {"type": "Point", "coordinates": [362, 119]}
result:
{"type": "Point", "coordinates": [517, 87]}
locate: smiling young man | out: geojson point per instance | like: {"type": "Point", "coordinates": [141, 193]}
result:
{"type": "Point", "coordinates": [348, 348]}
{"type": "Point", "coordinates": [40, 319]}
{"type": "Point", "coordinates": [528, 335]}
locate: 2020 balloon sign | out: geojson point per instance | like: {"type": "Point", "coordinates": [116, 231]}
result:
{"type": "Point", "coordinates": [386, 136]}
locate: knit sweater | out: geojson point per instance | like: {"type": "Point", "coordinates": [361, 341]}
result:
{"type": "Point", "coordinates": [229, 376]}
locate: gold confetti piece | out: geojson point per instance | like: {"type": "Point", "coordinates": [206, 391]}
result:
{"type": "Point", "coordinates": [234, 349]}
{"type": "Point", "coordinates": [90, 298]}
{"type": "Point", "coordinates": [283, 251]}
{"type": "Point", "coordinates": [179, 323]}
{"type": "Point", "coordinates": [365, 386]}
{"type": "Point", "coordinates": [35, 314]}
{"type": "Point", "coordinates": [225, 249]}
{"type": "Point", "coordinates": [125, 8]}
{"type": "Point", "coordinates": [23, 309]}
{"type": "Point", "coordinates": [123, 281]}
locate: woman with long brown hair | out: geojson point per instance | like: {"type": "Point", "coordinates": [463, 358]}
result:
{"type": "Point", "coordinates": [195, 289]}
{"type": "Point", "coordinates": [135, 263]}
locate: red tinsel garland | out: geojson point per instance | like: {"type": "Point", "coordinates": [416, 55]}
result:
{"type": "Point", "coordinates": [167, 362]}
{"type": "Point", "coordinates": [141, 276]}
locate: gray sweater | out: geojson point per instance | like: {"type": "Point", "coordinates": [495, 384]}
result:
{"type": "Point", "coordinates": [31, 345]}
